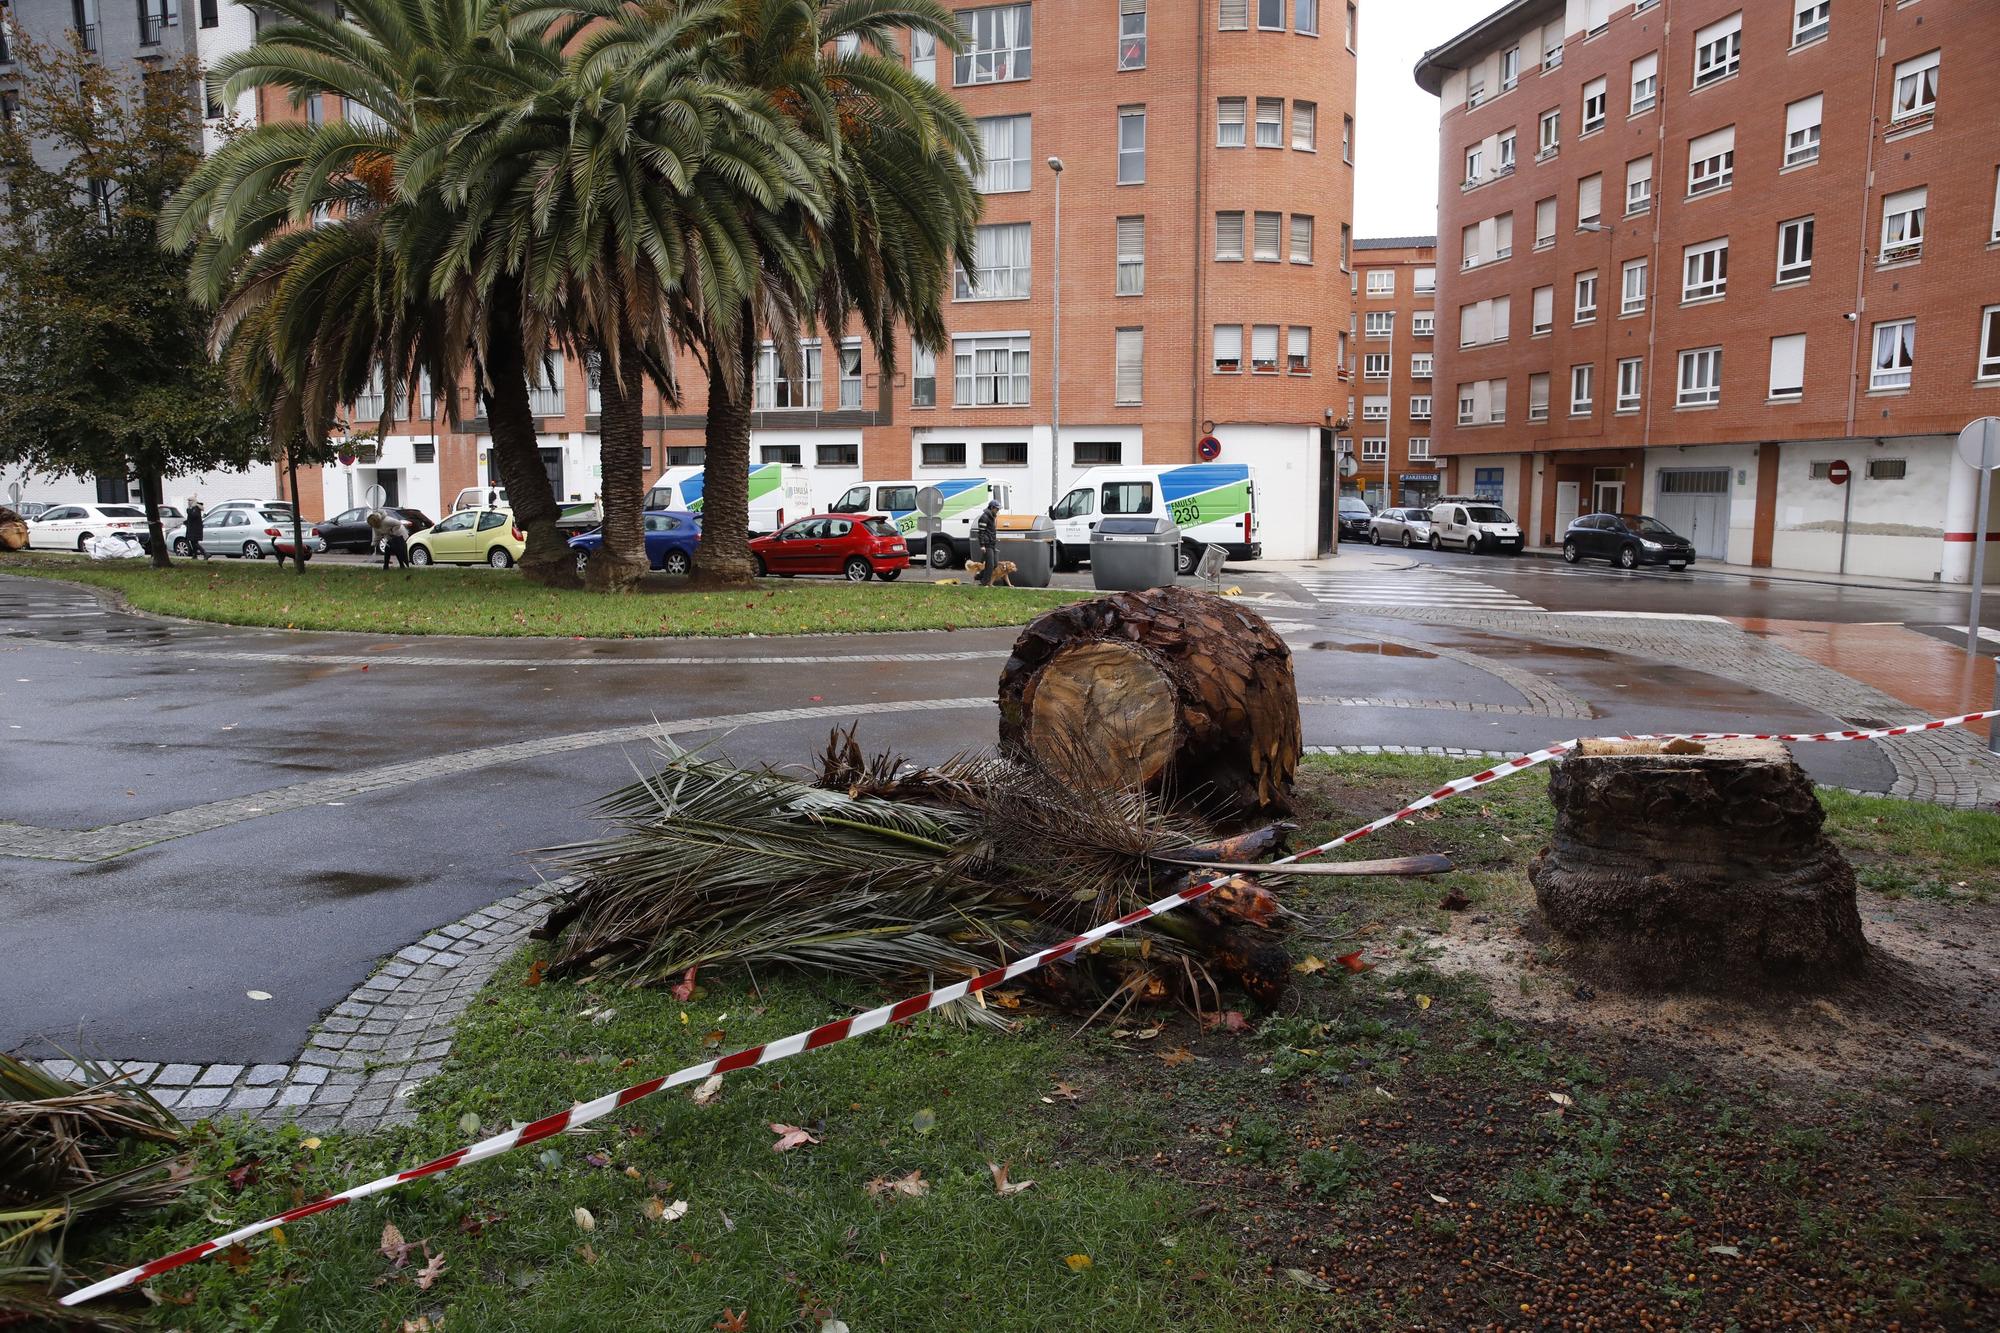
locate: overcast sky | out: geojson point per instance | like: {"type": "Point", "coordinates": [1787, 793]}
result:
{"type": "Point", "coordinates": [1396, 146]}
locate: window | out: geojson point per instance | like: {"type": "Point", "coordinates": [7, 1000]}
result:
{"type": "Point", "coordinates": [1420, 365]}
{"type": "Point", "coordinates": [775, 390]}
{"type": "Point", "coordinates": [1229, 236]}
{"type": "Point", "coordinates": [1545, 223]}
{"type": "Point", "coordinates": [1496, 400]}
{"type": "Point", "coordinates": [1420, 446]}
{"type": "Point", "coordinates": [1631, 378]}
{"type": "Point", "coordinates": [1538, 397]}
{"type": "Point", "coordinates": [1228, 355]}
{"type": "Point", "coordinates": [1347, 139]}
{"type": "Point", "coordinates": [1475, 163]}
{"type": "Point", "coordinates": [1004, 453]}
{"type": "Point", "coordinates": [1381, 282]}
{"type": "Point", "coordinates": [1916, 88]}
{"type": "Point", "coordinates": [1802, 130]}
{"type": "Point", "coordinates": [1586, 296]}
{"type": "Point", "coordinates": [1718, 49]}
{"type": "Point", "coordinates": [155, 16]}
{"type": "Point", "coordinates": [1903, 226]}
{"type": "Point", "coordinates": [1795, 250]}
{"type": "Point", "coordinates": [1128, 380]}
{"type": "Point", "coordinates": [686, 455]}
{"type": "Point", "coordinates": [1264, 349]}
{"type": "Point", "coordinates": [923, 376]}
{"type": "Point", "coordinates": [943, 453]}
{"type": "Point", "coordinates": [1302, 239]}
{"type": "Point", "coordinates": [1593, 105]}
{"type": "Point", "coordinates": [1232, 15]}
{"type": "Point", "coordinates": [1375, 366]}
{"type": "Point", "coordinates": [1229, 121]}
{"type": "Point", "coordinates": [1810, 20]}
{"type": "Point", "coordinates": [1544, 310]}
{"type": "Point", "coordinates": [1001, 251]}
{"type": "Point", "coordinates": [84, 12]}
{"type": "Point", "coordinates": [1551, 131]}
{"type": "Point", "coordinates": [545, 389]}
{"type": "Point", "coordinates": [998, 45]}
{"type": "Point", "coordinates": [1645, 82]}
{"type": "Point", "coordinates": [1427, 281]}
{"type": "Point", "coordinates": [1705, 270]}
{"type": "Point", "coordinates": [1298, 350]}
{"type": "Point", "coordinates": [1305, 17]}
{"type": "Point", "coordinates": [923, 56]}
{"type": "Point", "coordinates": [1996, 204]}
{"type": "Point", "coordinates": [1271, 14]}
{"type": "Point", "coordinates": [1510, 68]}
{"type": "Point", "coordinates": [828, 455]}
{"type": "Point", "coordinates": [1989, 342]}
{"type": "Point", "coordinates": [1374, 448]}
{"type": "Point", "coordinates": [990, 371]}
{"type": "Point", "coordinates": [1701, 378]}
{"type": "Point", "coordinates": [1581, 381]}
{"type": "Point", "coordinates": [1712, 161]}
{"type": "Point", "coordinates": [1131, 145]}
{"type": "Point", "coordinates": [1008, 142]}
{"type": "Point", "coordinates": [1420, 407]}
{"type": "Point", "coordinates": [1888, 469]}
{"type": "Point", "coordinates": [209, 16]}
{"type": "Point", "coordinates": [1380, 323]}
{"type": "Point", "coordinates": [1346, 244]}
{"type": "Point", "coordinates": [1305, 117]}
{"type": "Point", "coordinates": [1638, 185]}
{"type": "Point", "coordinates": [1788, 366]}
{"type": "Point", "coordinates": [1895, 354]}
{"type": "Point", "coordinates": [1131, 256]}
{"type": "Point", "coordinates": [1264, 237]}
{"type": "Point", "coordinates": [1632, 287]}
{"type": "Point", "coordinates": [1097, 453]}
{"type": "Point", "coordinates": [1353, 23]}
{"type": "Point", "coordinates": [1552, 55]}
{"type": "Point", "coordinates": [850, 375]}
{"type": "Point", "coordinates": [369, 402]}
{"type": "Point", "coordinates": [316, 109]}
{"type": "Point", "coordinates": [1589, 199]}
{"type": "Point", "coordinates": [1270, 122]}
{"type": "Point", "coordinates": [1131, 34]}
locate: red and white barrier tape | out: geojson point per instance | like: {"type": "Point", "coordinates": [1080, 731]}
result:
{"type": "Point", "coordinates": [841, 1029]}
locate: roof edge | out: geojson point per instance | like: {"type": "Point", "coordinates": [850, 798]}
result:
{"type": "Point", "coordinates": [1432, 65]}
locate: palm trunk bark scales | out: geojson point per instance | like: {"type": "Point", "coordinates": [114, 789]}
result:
{"type": "Point", "coordinates": [620, 561]}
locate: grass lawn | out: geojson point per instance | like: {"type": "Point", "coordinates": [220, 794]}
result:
{"type": "Point", "coordinates": [1391, 1148]}
{"type": "Point", "coordinates": [481, 602]}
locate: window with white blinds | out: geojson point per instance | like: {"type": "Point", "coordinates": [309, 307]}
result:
{"type": "Point", "coordinates": [1645, 82]}
{"type": "Point", "coordinates": [1270, 122]}
{"type": "Point", "coordinates": [1009, 149]}
{"type": "Point", "coordinates": [1538, 397]}
{"type": "Point", "coordinates": [1229, 236]}
{"type": "Point", "coordinates": [1230, 117]}
{"type": "Point", "coordinates": [1265, 232]}
{"type": "Point", "coordinates": [1233, 15]}
{"type": "Point", "coordinates": [1712, 160]}
{"type": "Point", "coordinates": [1131, 256]}
{"type": "Point", "coordinates": [1503, 236]}
{"type": "Point", "coordinates": [1589, 199]}
{"type": "Point", "coordinates": [1639, 185]}
{"type": "Point", "coordinates": [1916, 87]}
{"type": "Point", "coordinates": [1545, 223]}
{"type": "Point", "coordinates": [1228, 349]}
{"type": "Point", "coordinates": [1718, 50]}
{"type": "Point", "coordinates": [1264, 348]}
{"type": "Point", "coordinates": [1305, 127]}
{"type": "Point", "coordinates": [1545, 309]}
{"type": "Point", "coordinates": [1131, 366]}
{"type": "Point", "coordinates": [1788, 366]}
{"type": "Point", "coordinates": [1298, 349]}
{"type": "Point", "coordinates": [1302, 239]}
{"type": "Point", "coordinates": [1802, 120]}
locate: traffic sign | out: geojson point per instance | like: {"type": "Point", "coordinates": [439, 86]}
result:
{"type": "Point", "coordinates": [1208, 448]}
{"type": "Point", "coordinates": [1349, 465]}
{"type": "Point", "coordinates": [930, 501]}
{"type": "Point", "coordinates": [1837, 472]}
{"type": "Point", "coordinates": [1979, 444]}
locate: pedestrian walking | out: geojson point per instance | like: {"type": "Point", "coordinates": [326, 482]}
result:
{"type": "Point", "coordinates": [396, 544]}
{"type": "Point", "coordinates": [194, 530]}
{"type": "Point", "coordinates": [986, 532]}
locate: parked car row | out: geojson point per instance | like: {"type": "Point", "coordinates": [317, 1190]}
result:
{"type": "Point", "coordinates": [1479, 526]}
{"type": "Point", "coordinates": [239, 531]}
{"type": "Point", "coordinates": [1626, 540]}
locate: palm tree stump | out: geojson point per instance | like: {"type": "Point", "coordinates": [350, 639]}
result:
{"type": "Point", "coordinates": [1680, 864]}
{"type": "Point", "coordinates": [1166, 690]}
{"type": "Point", "coordinates": [13, 530]}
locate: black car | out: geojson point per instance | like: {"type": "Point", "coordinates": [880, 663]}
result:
{"type": "Point", "coordinates": [1356, 518]}
{"type": "Point", "coordinates": [349, 530]}
{"type": "Point", "coordinates": [1627, 540]}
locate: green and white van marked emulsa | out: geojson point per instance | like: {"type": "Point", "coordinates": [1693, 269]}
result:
{"type": "Point", "coordinates": [1213, 504]}
{"type": "Point", "coordinates": [964, 498]}
{"type": "Point", "coordinates": [776, 490]}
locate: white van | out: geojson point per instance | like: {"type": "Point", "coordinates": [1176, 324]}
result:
{"type": "Point", "coordinates": [896, 500]}
{"type": "Point", "coordinates": [1474, 525]}
{"type": "Point", "coordinates": [775, 490]}
{"type": "Point", "coordinates": [1213, 504]}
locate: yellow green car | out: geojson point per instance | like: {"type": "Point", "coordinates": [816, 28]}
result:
{"type": "Point", "coordinates": [470, 537]}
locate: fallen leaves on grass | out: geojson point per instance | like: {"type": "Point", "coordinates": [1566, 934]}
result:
{"type": "Point", "coordinates": [1229, 1021]}
{"type": "Point", "coordinates": [1063, 1092]}
{"type": "Point", "coordinates": [1309, 965]}
{"type": "Point", "coordinates": [710, 1089]}
{"type": "Point", "coordinates": [1179, 1055]}
{"type": "Point", "coordinates": [394, 1248]}
{"type": "Point", "coordinates": [244, 1176]}
{"type": "Point", "coordinates": [657, 1209]}
{"type": "Point", "coordinates": [1003, 1186]}
{"type": "Point", "coordinates": [432, 1270]}
{"type": "Point", "coordinates": [910, 1185]}
{"type": "Point", "coordinates": [1139, 1034]}
{"type": "Point", "coordinates": [585, 1220]}
{"type": "Point", "coordinates": [924, 1121]}
{"type": "Point", "coordinates": [237, 1256]}
{"type": "Point", "coordinates": [790, 1137]}
{"type": "Point", "coordinates": [734, 1321]}
{"type": "Point", "coordinates": [1354, 962]}
{"type": "Point", "coordinates": [1077, 1262]}
{"type": "Point", "coordinates": [535, 971]}
{"type": "Point", "coordinates": [1308, 1280]}
{"type": "Point", "coordinates": [683, 990]}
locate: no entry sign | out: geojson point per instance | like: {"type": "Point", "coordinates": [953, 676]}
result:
{"type": "Point", "coordinates": [1837, 473]}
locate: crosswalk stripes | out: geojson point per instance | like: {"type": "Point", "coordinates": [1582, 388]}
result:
{"type": "Point", "coordinates": [1424, 587]}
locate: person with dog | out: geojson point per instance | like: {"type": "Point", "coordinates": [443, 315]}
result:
{"type": "Point", "coordinates": [986, 535]}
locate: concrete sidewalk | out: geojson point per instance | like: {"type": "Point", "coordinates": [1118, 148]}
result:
{"type": "Point", "coordinates": [1800, 575]}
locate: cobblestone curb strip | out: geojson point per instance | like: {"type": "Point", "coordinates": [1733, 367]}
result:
{"type": "Point", "coordinates": [372, 1050]}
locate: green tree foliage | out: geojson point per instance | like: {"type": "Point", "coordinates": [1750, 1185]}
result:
{"type": "Point", "coordinates": [104, 360]}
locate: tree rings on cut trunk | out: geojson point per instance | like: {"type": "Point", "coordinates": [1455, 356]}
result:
{"type": "Point", "coordinates": [1112, 694]}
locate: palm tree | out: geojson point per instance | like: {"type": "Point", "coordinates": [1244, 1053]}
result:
{"type": "Point", "coordinates": [316, 221]}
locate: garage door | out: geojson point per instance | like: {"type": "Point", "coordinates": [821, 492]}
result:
{"type": "Point", "coordinates": [1694, 501]}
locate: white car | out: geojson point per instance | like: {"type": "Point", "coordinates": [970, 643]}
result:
{"type": "Point", "coordinates": [1474, 525]}
{"type": "Point", "coordinates": [240, 503]}
{"type": "Point", "coordinates": [69, 527]}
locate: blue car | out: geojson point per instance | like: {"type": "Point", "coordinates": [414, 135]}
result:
{"type": "Point", "coordinates": [671, 536]}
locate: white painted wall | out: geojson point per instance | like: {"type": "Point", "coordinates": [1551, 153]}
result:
{"type": "Point", "coordinates": [235, 30]}
{"type": "Point", "coordinates": [1030, 484]}
{"type": "Point", "coordinates": [259, 481]}
{"type": "Point", "coordinates": [1741, 460]}
{"type": "Point", "coordinates": [417, 486]}
{"type": "Point", "coordinates": [1286, 460]}
{"type": "Point", "coordinates": [1896, 528]}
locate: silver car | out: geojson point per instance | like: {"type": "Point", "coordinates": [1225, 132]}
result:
{"type": "Point", "coordinates": [250, 533]}
{"type": "Point", "coordinates": [1405, 527]}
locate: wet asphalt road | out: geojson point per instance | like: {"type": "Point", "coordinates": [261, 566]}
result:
{"type": "Point", "coordinates": [106, 717]}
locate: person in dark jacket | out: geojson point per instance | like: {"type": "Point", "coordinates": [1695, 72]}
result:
{"type": "Point", "coordinates": [985, 535]}
{"type": "Point", "coordinates": [396, 541]}
{"type": "Point", "coordinates": [194, 530]}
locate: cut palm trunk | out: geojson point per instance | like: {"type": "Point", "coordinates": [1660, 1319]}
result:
{"type": "Point", "coordinates": [1169, 691]}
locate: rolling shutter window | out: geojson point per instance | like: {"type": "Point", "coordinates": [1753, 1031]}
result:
{"type": "Point", "coordinates": [1131, 364]}
{"type": "Point", "coordinates": [1788, 365]}
{"type": "Point", "coordinates": [1545, 221]}
{"type": "Point", "coordinates": [1229, 236]}
{"type": "Point", "coordinates": [1298, 349]}
{"type": "Point", "coordinates": [1263, 345]}
{"type": "Point", "coordinates": [1503, 235]}
{"type": "Point", "coordinates": [1131, 256]}
{"type": "Point", "coordinates": [1803, 114]}
{"type": "Point", "coordinates": [1589, 198]}
{"type": "Point", "coordinates": [1234, 15]}
{"type": "Point", "coordinates": [1267, 227]}
{"type": "Point", "coordinates": [1229, 346]}
{"type": "Point", "coordinates": [1545, 307]}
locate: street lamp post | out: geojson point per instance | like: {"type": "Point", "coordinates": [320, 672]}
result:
{"type": "Point", "coordinates": [1055, 397]}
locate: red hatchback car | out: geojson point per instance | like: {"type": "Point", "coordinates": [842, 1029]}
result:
{"type": "Point", "coordinates": [857, 546]}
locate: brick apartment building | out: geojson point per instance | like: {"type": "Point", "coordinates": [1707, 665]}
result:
{"type": "Point", "coordinates": [1395, 288]}
{"type": "Point", "coordinates": [1695, 252]}
{"type": "Point", "coordinates": [1206, 205]}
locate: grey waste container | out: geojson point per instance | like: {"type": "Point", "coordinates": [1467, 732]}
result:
{"type": "Point", "coordinates": [1029, 540]}
{"type": "Point", "coordinates": [1131, 553]}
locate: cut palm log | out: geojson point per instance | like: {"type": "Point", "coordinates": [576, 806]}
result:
{"type": "Point", "coordinates": [13, 530]}
{"type": "Point", "coordinates": [1168, 691]}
